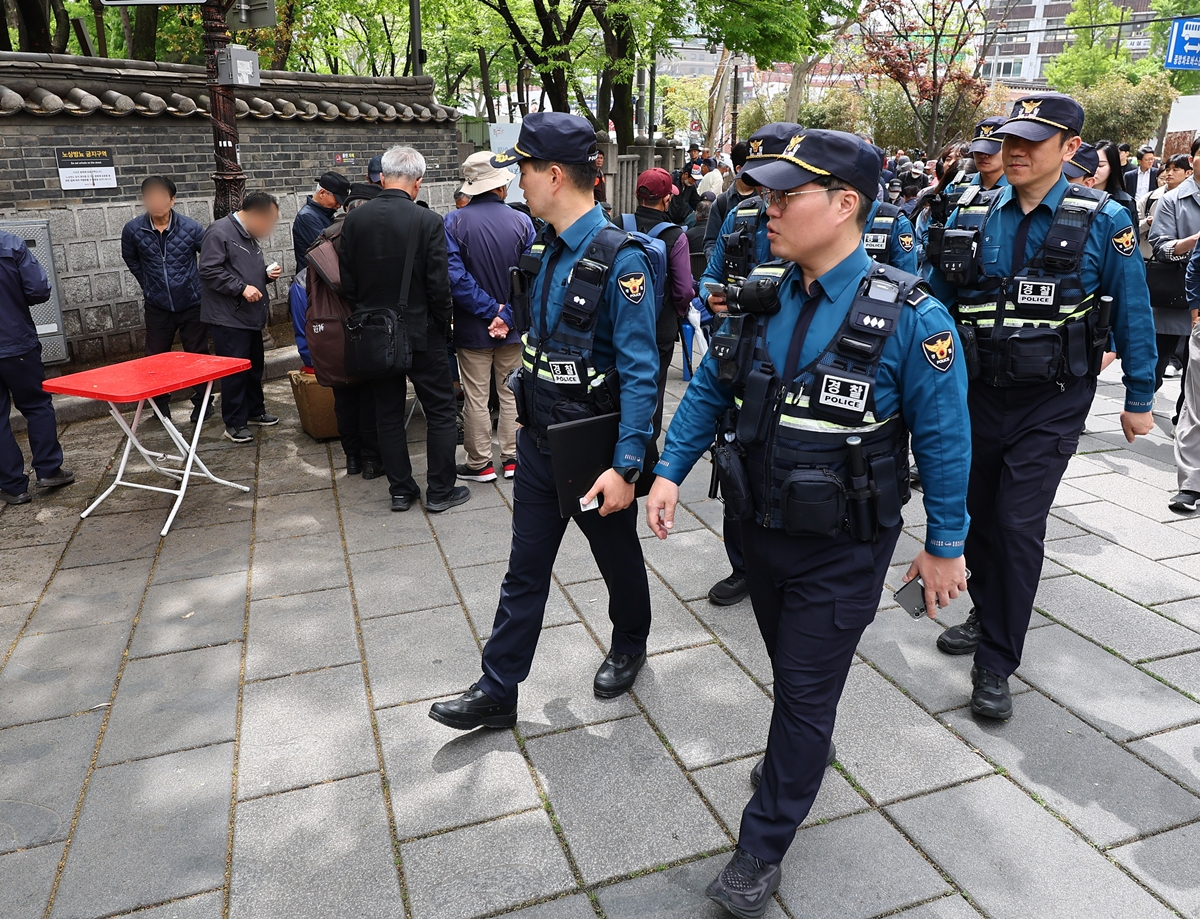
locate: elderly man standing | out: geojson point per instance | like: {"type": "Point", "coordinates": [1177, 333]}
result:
{"type": "Point", "coordinates": [484, 241]}
{"type": "Point", "coordinates": [375, 240]}
{"type": "Point", "coordinates": [318, 212]}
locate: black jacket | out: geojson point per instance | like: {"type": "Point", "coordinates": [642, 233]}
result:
{"type": "Point", "coordinates": [375, 238]}
{"type": "Point", "coordinates": [164, 263]}
{"type": "Point", "coordinates": [310, 220]}
{"type": "Point", "coordinates": [230, 259]}
{"type": "Point", "coordinates": [1131, 177]}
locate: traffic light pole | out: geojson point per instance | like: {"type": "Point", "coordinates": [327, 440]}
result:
{"type": "Point", "coordinates": [229, 179]}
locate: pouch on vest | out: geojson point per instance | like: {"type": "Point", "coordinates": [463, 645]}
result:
{"type": "Point", "coordinates": [885, 483]}
{"type": "Point", "coordinates": [518, 298]}
{"type": "Point", "coordinates": [1035, 298]}
{"type": "Point", "coordinates": [1100, 324]}
{"type": "Point", "coordinates": [958, 262]}
{"type": "Point", "coordinates": [585, 288]}
{"type": "Point", "coordinates": [813, 503]}
{"type": "Point", "coordinates": [731, 346]}
{"type": "Point", "coordinates": [730, 468]}
{"type": "Point", "coordinates": [970, 350]}
{"type": "Point", "coordinates": [840, 396]}
{"type": "Point", "coordinates": [758, 405]}
{"type": "Point", "coordinates": [1033, 355]}
{"type": "Point", "coordinates": [516, 385]}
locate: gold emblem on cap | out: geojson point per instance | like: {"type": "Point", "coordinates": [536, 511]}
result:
{"type": "Point", "coordinates": [756, 147]}
{"type": "Point", "coordinates": [502, 158]}
{"type": "Point", "coordinates": [1029, 108]}
{"type": "Point", "coordinates": [986, 129]}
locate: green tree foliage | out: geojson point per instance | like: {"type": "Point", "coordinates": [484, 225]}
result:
{"type": "Point", "coordinates": [1094, 52]}
{"type": "Point", "coordinates": [1117, 109]}
{"type": "Point", "coordinates": [684, 100]}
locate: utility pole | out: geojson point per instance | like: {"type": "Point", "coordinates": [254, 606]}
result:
{"type": "Point", "coordinates": [737, 95]}
{"type": "Point", "coordinates": [229, 178]}
{"type": "Point", "coordinates": [414, 31]}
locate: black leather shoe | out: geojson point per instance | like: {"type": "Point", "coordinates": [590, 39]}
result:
{"type": "Point", "coordinates": [617, 674]}
{"type": "Point", "coordinates": [745, 886]}
{"type": "Point", "coordinates": [63, 476]}
{"type": "Point", "coordinates": [208, 412]}
{"type": "Point", "coordinates": [473, 709]}
{"type": "Point", "coordinates": [401, 502]}
{"type": "Point", "coordinates": [733, 589]}
{"type": "Point", "coordinates": [372, 470]}
{"type": "Point", "coordinates": [991, 698]}
{"type": "Point", "coordinates": [460, 494]}
{"type": "Point", "coordinates": [757, 771]}
{"type": "Point", "coordinates": [354, 465]}
{"type": "Point", "coordinates": [9, 498]}
{"type": "Point", "coordinates": [961, 639]}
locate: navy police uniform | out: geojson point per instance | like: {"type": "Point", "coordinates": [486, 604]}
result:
{"type": "Point", "coordinates": [1034, 329]}
{"type": "Point", "coordinates": [586, 323]}
{"type": "Point", "coordinates": [864, 353]}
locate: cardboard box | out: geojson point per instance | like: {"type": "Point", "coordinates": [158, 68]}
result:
{"type": "Point", "coordinates": [315, 404]}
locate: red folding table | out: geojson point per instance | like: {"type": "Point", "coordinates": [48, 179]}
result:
{"type": "Point", "coordinates": [141, 381]}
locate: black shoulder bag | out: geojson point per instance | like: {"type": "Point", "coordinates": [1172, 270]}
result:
{"type": "Point", "coordinates": [377, 340]}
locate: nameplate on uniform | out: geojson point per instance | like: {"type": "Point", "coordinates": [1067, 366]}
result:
{"type": "Point", "coordinates": [1040, 292]}
{"type": "Point", "coordinates": [875, 241]}
{"type": "Point", "coordinates": [849, 395]}
{"type": "Point", "coordinates": [565, 372]}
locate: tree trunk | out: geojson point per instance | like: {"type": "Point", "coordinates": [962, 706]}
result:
{"type": "Point", "coordinates": [127, 30]}
{"type": "Point", "coordinates": [5, 38]}
{"type": "Point", "coordinates": [604, 100]}
{"type": "Point", "coordinates": [145, 33]}
{"type": "Point", "coordinates": [36, 33]}
{"type": "Point", "coordinates": [554, 82]}
{"type": "Point", "coordinates": [101, 35]}
{"type": "Point", "coordinates": [62, 27]}
{"type": "Point", "coordinates": [716, 100]}
{"type": "Point", "coordinates": [791, 108]}
{"type": "Point", "coordinates": [284, 34]}
{"type": "Point", "coordinates": [622, 113]}
{"type": "Point", "coordinates": [485, 77]}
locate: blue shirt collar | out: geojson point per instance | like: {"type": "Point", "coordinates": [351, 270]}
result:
{"type": "Point", "coordinates": [583, 229]}
{"type": "Point", "coordinates": [1052, 200]}
{"type": "Point", "coordinates": [834, 282]}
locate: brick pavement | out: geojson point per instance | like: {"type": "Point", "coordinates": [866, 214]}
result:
{"type": "Point", "coordinates": [231, 721]}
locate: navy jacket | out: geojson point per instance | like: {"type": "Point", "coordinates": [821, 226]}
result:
{"type": "Point", "coordinates": [308, 223]}
{"type": "Point", "coordinates": [22, 282]}
{"type": "Point", "coordinates": [164, 264]}
{"type": "Point", "coordinates": [483, 241]}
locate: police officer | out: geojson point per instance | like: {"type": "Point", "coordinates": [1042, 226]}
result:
{"type": "Point", "coordinates": [584, 316]}
{"type": "Point", "coordinates": [843, 359]}
{"type": "Point", "coordinates": [1030, 291]}
{"type": "Point", "coordinates": [889, 236]}
{"type": "Point", "coordinates": [1082, 166]}
{"type": "Point", "coordinates": [741, 245]}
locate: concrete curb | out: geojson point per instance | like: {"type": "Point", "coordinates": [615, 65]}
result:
{"type": "Point", "coordinates": [70, 409]}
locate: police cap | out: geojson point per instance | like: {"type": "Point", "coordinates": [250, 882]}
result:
{"type": "Point", "coordinates": [553, 136]}
{"type": "Point", "coordinates": [1042, 115]}
{"type": "Point", "coordinates": [812, 154]}
{"type": "Point", "coordinates": [983, 141]}
{"type": "Point", "coordinates": [772, 139]}
{"type": "Point", "coordinates": [1083, 164]}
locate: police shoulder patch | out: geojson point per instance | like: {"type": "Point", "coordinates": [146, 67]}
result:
{"type": "Point", "coordinates": [939, 350]}
{"type": "Point", "coordinates": [1124, 242]}
{"type": "Point", "coordinates": [906, 241]}
{"type": "Point", "coordinates": [633, 285]}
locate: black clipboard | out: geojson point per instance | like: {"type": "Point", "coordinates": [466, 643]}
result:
{"type": "Point", "coordinates": [580, 451]}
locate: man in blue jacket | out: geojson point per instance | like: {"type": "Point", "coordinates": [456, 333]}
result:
{"type": "Point", "coordinates": [484, 241]}
{"type": "Point", "coordinates": [23, 282]}
{"type": "Point", "coordinates": [332, 190]}
{"type": "Point", "coordinates": [160, 248]}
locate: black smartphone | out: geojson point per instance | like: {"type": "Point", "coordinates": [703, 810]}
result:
{"type": "Point", "coordinates": [912, 597]}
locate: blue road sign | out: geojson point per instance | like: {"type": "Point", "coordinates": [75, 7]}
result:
{"type": "Point", "coordinates": [1183, 45]}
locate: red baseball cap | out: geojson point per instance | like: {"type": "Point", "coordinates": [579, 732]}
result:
{"type": "Point", "coordinates": [655, 183]}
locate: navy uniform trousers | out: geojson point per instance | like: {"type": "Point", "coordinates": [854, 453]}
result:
{"type": "Point", "coordinates": [21, 380]}
{"type": "Point", "coordinates": [1022, 438]}
{"type": "Point", "coordinates": [538, 530]}
{"type": "Point", "coordinates": [813, 598]}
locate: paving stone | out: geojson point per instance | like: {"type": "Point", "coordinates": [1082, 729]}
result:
{"type": "Point", "coordinates": [1104, 792]}
{"type": "Point", "coordinates": [676, 893]}
{"type": "Point", "coordinates": [284, 516]}
{"type": "Point", "coordinates": [1057, 528]}
{"type": "Point", "coordinates": [221, 506]}
{"type": "Point", "coordinates": [855, 868]}
{"type": "Point", "coordinates": [906, 651]}
{"type": "Point", "coordinates": [1183, 672]}
{"type": "Point", "coordinates": [738, 631]}
{"type": "Point", "coordinates": [660, 819]}
{"type": "Point", "coordinates": [191, 614]}
{"type": "Point", "coordinates": [420, 655]}
{"type": "Point", "coordinates": [479, 586]}
{"type": "Point", "coordinates": [1110, 620]}
{"type": "Point", "coordinates": [1169, 865]}
{"type": "Point", "coordinates": [1185, 612]}
{"type": "Point", "coordinates": [475, 536]}
{"type": "Point", "coordinates": [301, 632]}
{"type": "Point", "coordinates": [727, 788]}
{"type": "Point", "coordinates": [1156, 445]}
{"type": "Point", "coordinates": [204, 551]}
{"type": "Point", "coordinates": [1116, 567]}
{"type": "Point", "coordinates": [26, 879]}
{"type": "Point", "coordinates": [952, 907]}
{"type": "Point", "coordinates": [1130, 529]}
{"type": "Point", "coordinates": [1176, 753]}
{"type": "Point", "coordinates": [12, 620]}
{"type": "Point", "coordinates": [441, 778]}
{"type": "Point", "coordinates": [690, 563]}
{"type": "Point", "coordinates": [174, 702]}
{"type": "Point", "coordinates": [890, 747]}
{"type": "Point", "coordinates": [298, 730]}
{"type": "Point", "coordinates": [291, 474]}
{"type": "Point", "coordinates": [710, 512]}
{"type": "Point", "coordinates": [574, 561]}
{"type": "Point", "coordinates": [205, 906]}
{"type": "Point", "coordinates": [81, 597]}
{"type": "Point", "coordinates": [1123, 491]}
{"type": "Point", "coordinates": [907, 548]}
{"type": "Point", "coordinates": [672, 626]}
{"type": "Point", "coordinates": [558, 693]}
{"type": "Point", "coordinates": [1068, 496]}
{"type": "Point", "coordinates": [705, 704]}
{"type": "Point", "coordinates": [372, 526]}
{"type": "Point", "coordinates": [113, 538]}
{"type": "Point", "coordinates": [292, 566]}
{"type": "Point", "coordinates": [42, 767]}
{"type": "Point", "coordinates": [1043, 871]}
{"type": "Point", "coordinates": [577, 906]}
{"type": "Point", "coordinates": [60, 673]}
{"type": "Point", "coordinates": [149, 831]}
{"type": "Point", "coordinates": [513, 860]}
{"type": "Point", "coordinates": [22, 527]}
{"type": "Point", "coordinates": [685, 521]}
{"type": "Point", "coordinates": [314, 853]}
{"type": "Point", "coordinates": [401, 580]}
{"type": "Point", "coordinates": [1100, 688]}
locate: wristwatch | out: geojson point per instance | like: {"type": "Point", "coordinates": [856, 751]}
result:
{"type": "Point", "coordinates": [629, 473]}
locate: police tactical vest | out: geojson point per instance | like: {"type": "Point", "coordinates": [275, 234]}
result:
{"type": "Point", "coordinates": [802, 475]}
{"type": "Point", "coordinates": [972, 205]}
{"type": "Point", "coordinates": [1037, 325]}
{"type": "Point", "coordinates": [877, 237]}
{"type": "Point", "coordinates": [741, 242]}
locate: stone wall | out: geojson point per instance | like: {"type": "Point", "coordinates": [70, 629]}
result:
{"type": "Point", "coordinates": [102, 308]}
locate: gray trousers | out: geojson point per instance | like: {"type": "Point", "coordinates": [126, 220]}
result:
{"type": "Point", "coordinates": [1187, 432]}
